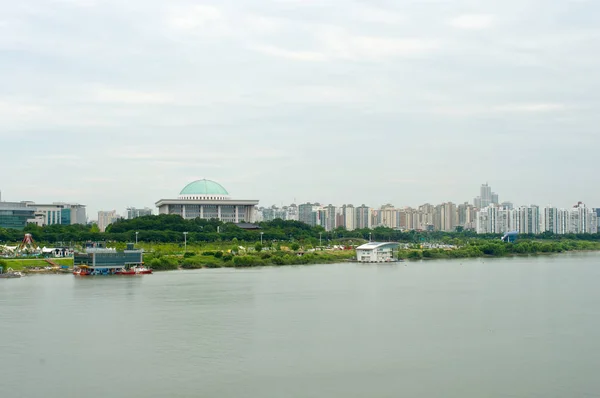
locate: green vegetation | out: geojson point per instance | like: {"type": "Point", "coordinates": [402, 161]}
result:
{"type": "Point", "coordinates": [19, 264]}
{"type": "Point", "coordinates": [483, 248]}
{"type": "Point", "coordinates": [217, 255]}
{"type": "Point", "coordinates": [212, 243]}
{"type": "Point", "coordinates": [169, 229]}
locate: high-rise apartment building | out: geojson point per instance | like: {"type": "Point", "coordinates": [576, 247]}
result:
{"type": "Point", "coordinates": [306, 213]}
{"type": "Point", "coordinates": [486, 197]}
{"type": "Point", "coordinates": [105, 218]}
{"type": "Point", "coordinates": [330, 213]}
{"type": "Point", "coordinates": [349, 215]}
{"type": "Point", "coordinates": [445, 217]}
{"type": "Point", "coordinates": [363, 217]}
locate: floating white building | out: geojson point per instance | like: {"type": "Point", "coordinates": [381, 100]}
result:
{"type": "Point", "coordinates": [376, 252]}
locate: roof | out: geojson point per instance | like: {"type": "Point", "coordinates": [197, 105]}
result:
{"type": "Point", "coordinates": [376, 245]}
{"type": "Point", "coordinates": [204, 187]}
{"type": "Point", "coordinates": [247, 225]}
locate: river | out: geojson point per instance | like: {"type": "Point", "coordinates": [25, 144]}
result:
{"type": "Point", "coordinates": [509, 327]}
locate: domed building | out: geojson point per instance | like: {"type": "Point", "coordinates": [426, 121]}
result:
{"type": "Point", "coordinates": [208, 199]}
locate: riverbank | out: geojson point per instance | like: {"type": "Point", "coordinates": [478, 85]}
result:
{"type": "Point", "coordinates": [217, 259]}
{"type": "Point", "coordinates": [35, 265]}
{"type": "Point", "coordinates": [499, 249]}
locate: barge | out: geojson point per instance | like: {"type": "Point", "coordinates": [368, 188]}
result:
{"type": "Point", "coordinates": [97, 259]}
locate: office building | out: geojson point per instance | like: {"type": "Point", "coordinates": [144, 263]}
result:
{"type": "Point", "coordinates": [15, 215]}
{"type": "Point", "coordinates": [58, 213]}
{"type": "Point", "coordinates": [133, 212]}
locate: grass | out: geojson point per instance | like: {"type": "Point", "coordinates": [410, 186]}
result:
{"type": "Point", "coordinates": [20, 263]}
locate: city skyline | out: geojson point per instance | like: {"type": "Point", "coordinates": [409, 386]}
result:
{"type": "Point", "coordinates": [123, 212]}
{"type": "Point", "coordinates": [112, 104]}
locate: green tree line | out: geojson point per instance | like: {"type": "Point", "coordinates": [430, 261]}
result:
{"type": "Point", "coordinates": [169, 229]}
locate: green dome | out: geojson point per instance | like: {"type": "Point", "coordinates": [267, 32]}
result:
{"type": "Point", "coordinates": [204, 187]}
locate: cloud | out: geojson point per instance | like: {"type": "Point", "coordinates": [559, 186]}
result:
{"type": "Point", "coordinates": [125, 96]}
{"type": "Point", "coordinates": [198, 17]}
{"type": "Point", "coordinates": [531, 107]}
{"type": "Point", "coordinates": [289, 54]}
{"type": "Point", "coordinates": [347, 46]}
{"type": "Point", "coordinates": [472, 21]}
{"type": "Point", "coordinates": [337, 44]}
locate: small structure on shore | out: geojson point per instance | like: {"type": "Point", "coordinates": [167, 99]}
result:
{"type": "Point", "coordinates": [100, 260]}
{"type": "Point", "coordinates": [510, 237]}
{"type": "Point", "coordinates": [377, 252]}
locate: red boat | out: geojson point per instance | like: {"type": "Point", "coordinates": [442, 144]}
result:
{"type": "Point", "coordinates": [138, 270]}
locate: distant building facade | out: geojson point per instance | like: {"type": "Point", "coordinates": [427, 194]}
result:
{"type": "Point", "coordinates": [105, 218]}
{"type": "Point", "coordinates": [133, 212]}
{"type": "Point", "coordinates": [15, 215]}
{"type": "Point", "coordinates": [58, 213]}
{"type": "Point", "coordinates": [486, 197]}
{"type": "Point", "coordinates": [533, 220]}
{"type": "Point", "coordinates": [363, 217]}
{"type": "Point", "coordinates": [207, 199]}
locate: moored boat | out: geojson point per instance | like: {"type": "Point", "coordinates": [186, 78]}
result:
{"type": "Point", "coordinates": [11, 274]}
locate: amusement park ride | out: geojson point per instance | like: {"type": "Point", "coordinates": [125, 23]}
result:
{"type": "Point", "coordinates": [28, 247]}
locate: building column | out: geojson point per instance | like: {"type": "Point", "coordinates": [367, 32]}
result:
{"type": "Point", "coordinates": [183, 211]}
{"type": "Point", "coordinates": [237, 214]}
{"type": "Point", "coordinates": [219, 212]}
{"type": "Point", "coordinates": [202, 211]}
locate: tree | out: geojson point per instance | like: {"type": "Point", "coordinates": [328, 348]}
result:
{"type": "Point", "coordinates": [95, 229]}
{"type": "Point", "coordinates": [295, 246]}
{"type": "Point", "coordinates": [258, 247]}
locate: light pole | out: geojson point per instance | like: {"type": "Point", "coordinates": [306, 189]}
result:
{"type": "Point", "coordinates": [369, 236]}
{"type": "Point", "coordinates": [320, 244]}
{"type": "Point", "coordinates": [136, 237]}
{"type": "Point", "coordinates": [185, 242]}
{"type": "Point", "coordinates": [261, 234]}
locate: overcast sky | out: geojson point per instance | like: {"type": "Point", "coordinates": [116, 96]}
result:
{"type": "Point", "coordinates": [121, 103]}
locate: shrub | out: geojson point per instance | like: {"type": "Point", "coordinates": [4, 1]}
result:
{"type": "Point", "coordinates": [188, 254]}
{"type": "Point", "coordinates": [295, 246]}
{"type": "Point", "coordinates": [246, 261]}
{"type": "Point", "coordinates": [219, 254]}
{"type": "Point", "coordinates": [258, 247]}
{"type": "Point", "coordinates": [208, 253]}
{"type": "Point", "coordinates": [278, 260]}
{"type": "Point", "coordinates": [415, 255]}
{"type": "Point", "coordinates": [265, 255]}
{"type": "Point", "coordinates": [227, 257]}
{"type": "Point", "coordinates": [164, 263]}
{"type": "Point", "coordinates": [200, 262]}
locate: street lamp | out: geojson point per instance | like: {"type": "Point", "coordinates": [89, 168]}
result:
{"type": "Point", "coordinates": [136, 237]}
{"type": "Point", "coordinates": [261, 234]}
{"type": "Point", "coordinates": [369, 236]}
{"type": "Point", "coordinates": [320, 244]}
{"type": "Point", "coordinates": [185, 242]}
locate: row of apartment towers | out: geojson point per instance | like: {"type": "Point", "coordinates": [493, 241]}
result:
{"type": "Point", "coordinates": [444, 217]}
{"type": "Point", "coordinates": [485, 215]}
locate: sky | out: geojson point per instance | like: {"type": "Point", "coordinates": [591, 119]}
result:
{"type": "Point", "coordinates": [121, 103]}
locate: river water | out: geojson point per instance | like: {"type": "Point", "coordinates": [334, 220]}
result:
{"type": "Point", "coordinates": [513, 327]}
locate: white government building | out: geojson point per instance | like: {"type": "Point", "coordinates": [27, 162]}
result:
{"type": "Point", "coordinates": [376, 252]}
{"type": "Point", "coordinates": [207, 199]}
